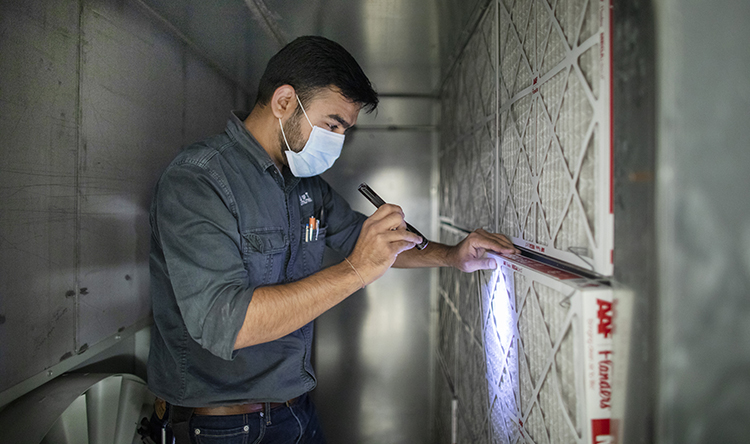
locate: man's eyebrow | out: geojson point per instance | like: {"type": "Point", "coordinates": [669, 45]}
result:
{"type": "Point", "coordinates": [340, 120]}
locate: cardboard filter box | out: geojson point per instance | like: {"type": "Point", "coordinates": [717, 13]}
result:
{"type": "Point", "coordinates": [548, 337]}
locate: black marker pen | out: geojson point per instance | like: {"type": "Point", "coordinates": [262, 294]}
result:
{"type": "Point", "coordinates": [378, 202]}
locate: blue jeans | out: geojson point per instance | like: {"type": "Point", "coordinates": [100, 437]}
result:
{"type": "Point", "coordinates": [295, 424]}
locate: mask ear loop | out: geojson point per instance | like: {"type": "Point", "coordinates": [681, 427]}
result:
{"type": "Point", "coordinates": [282, 126]}
{"type": "Point", "coordinates": [303, 110]}
{"type": "Point", "coordinates": [284, 135]}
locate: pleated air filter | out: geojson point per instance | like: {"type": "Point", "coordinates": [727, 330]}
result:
{"type": "Point", "coordinates": [548, 344]}
{"type": "Point", "coordinates": [555, 185]}
{"type": "Point", "coordinates": [468, 151]}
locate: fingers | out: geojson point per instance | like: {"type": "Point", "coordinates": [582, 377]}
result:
{"type": "Point", "coordinates": [382, 239]}
{"type": "Point", "coordinates": [388, 217]}
{"type": "Point", "coordinates": [400, 235]}
{"type": "Point", "coordinates": [496, 242]}
{"type": "Point", "coordinates": [386, 211]}
{"type": "Point", "coordinates": [486, 264]}
{"type": "Point", "coordinates": [471, 253]}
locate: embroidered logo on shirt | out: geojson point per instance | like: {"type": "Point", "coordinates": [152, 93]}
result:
{"type": "Point", "coordinates": [304, 199]}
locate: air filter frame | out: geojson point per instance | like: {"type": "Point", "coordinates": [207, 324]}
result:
{"type": "Point", "coordinates": [555, 190]}
{"type": "Point", "coordinates": [549, 352]}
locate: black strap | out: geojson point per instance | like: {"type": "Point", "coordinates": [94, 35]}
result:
{"type": "Point", "coordinates": [180, 419]}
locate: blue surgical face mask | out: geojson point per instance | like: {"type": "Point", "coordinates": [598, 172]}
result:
{"type": "Point", "coordinates": [319, 153]}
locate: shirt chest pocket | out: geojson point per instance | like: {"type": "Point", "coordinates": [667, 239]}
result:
{"type": "Point", "coordinates": [313, 247]}
{"type": "Point", "coordinates": [264, 253]}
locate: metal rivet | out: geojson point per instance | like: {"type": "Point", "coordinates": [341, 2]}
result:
{"type": "Point", "coordinates": [197, 431]}
{"type": "Point", "coordinates": [247, 428]}
{"type": "Point", "coordinates": [261, 414]}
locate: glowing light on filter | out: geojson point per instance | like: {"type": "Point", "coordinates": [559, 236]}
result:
{"type": "Point", "coordinates": [502, 313]}
{"type": "Point", "coordinates": [501, 352]}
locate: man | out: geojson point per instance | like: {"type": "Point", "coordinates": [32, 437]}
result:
{"type": "Point", "coordinates": [239, 224]}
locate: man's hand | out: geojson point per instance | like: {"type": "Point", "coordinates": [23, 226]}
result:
{"type": "Point", "coordinates": [277, 310]}
{"type": "Point", "coordinates": [382, 238]}
{"type": "Point", "coordinates": [470, 254]}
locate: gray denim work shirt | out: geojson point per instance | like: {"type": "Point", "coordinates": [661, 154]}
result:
{"type": "Point", "coordinates": [224, 222]}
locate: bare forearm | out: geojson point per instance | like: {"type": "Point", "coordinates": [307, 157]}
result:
{"type": "Point", "coordinates": [469, 255]}
{"type": "Point", "coordinates": [434, 255]}
{"type": "Point", "coordinates": [278, 310]}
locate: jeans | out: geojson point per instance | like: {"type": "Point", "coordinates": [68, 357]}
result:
{"type": "Point", "coordinates": [295, 424]}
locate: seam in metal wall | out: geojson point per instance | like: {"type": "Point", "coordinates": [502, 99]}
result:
{"type": "Point", "coordinates": [118, 96]}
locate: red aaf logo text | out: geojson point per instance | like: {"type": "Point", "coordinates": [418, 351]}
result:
{"type": "Point", "coordinates": [605, 317]}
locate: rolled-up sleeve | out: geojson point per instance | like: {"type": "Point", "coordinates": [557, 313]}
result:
{"type": "Point", "coordinates": [195, 224]}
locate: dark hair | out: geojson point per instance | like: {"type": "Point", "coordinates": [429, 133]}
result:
{"type": "Point", "coordinates": [310, 63]}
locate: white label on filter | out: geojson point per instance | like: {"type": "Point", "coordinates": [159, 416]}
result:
{"type": "Point", "coordinates": [597, 315]}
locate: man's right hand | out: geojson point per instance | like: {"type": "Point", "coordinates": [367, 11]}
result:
{"type": "Point", "coordinates": [277, 310]}
{"type": "Point", "coordinates": [382, 239]}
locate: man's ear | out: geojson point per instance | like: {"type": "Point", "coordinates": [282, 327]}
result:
{"type": "Point", "coordinates": [283, 101]}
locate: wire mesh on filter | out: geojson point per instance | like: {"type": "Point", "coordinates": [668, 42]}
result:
{"type": "Point", "coordinates": [551, 118]}
{"type": "Point", "coordinates": [469, 131]}
{"type": "Point", "coordinates": [549, 354]}
{"type": "Point", "coordinates": [530, 333]}
{"type": "Point", "coordinates": [447, 336]}
{"type": "Point", "coordinates": [443, 398]}
{"type": "Point", "coordinates": [449, 326]}
{"type": "Point", "coordinates": [501, 356]}
{"type": "Point", "coordinates": [471, 390]}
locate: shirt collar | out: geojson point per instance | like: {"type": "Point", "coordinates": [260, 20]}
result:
{"type": "Point", "coordinates": [236, 130]}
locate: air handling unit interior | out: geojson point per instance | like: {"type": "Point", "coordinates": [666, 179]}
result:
{"type": "Point", "coordinates": [606, 138]}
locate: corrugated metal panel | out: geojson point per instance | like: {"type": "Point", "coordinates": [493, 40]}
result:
{"type": "Point", "coordinates": [91, 117]}
{"type": "Point", "coordinates": [129, 133]}
{"type": "Point", "coordinates": [226, 31]}
{"type": "Point", "coordinates": [38, 127]}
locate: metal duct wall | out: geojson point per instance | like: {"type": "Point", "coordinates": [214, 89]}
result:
{"type": "Point", "coordinates": [76, 196]}
{"type": "Point", "coordinates": [96, 97]}
{"type": "Point", "coordinates": [703, 224]}
{"type": "Point", "coordinates": [373, 351]}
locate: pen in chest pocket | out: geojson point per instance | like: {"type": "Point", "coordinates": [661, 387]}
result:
{"type": "Point", "coordinates": [311, 229]}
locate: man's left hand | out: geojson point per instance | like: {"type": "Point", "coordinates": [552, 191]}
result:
{"type": "Point", "coordinates": [471, 253]}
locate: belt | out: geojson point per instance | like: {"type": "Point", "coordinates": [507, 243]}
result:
{"type": "Point", "coordinates": [240, 409]}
